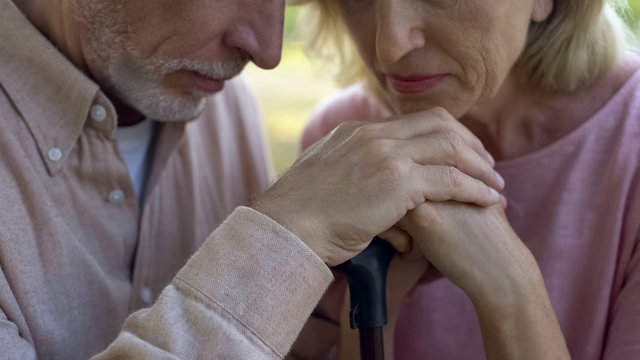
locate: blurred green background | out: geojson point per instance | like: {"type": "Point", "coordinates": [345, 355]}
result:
{"type": "Point", "coordinates": [288, 93]}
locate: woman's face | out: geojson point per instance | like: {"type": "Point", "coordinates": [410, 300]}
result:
{"type": "Point", "coordinates": [449, 53]}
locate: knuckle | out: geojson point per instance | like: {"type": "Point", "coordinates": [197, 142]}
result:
{"type": "Point", "coordinates": [342, 128]}
{"type": "Point", "coordinates": [476, 143]}
{"type": "Point", "coordinates": [454, 177]}
{"type": "Point", "coordinates": [425, 215]}
{"type": "Point", "coordinates": [454, 145]}
{"type": "Point", "coordinates": [441, 114]}
{"type": "Point", "coordinates": [379, 148]}
{"type": "Point", "coordinates": [396, 169]}
{"type": "Point", "coordinates": [423, 212]}
{"type": "Point", "coordinates": [366, 131]}
{"type": "Point", "coordinates": [347, 128]}
{"type": "Point", "coordinates": [379, 128]}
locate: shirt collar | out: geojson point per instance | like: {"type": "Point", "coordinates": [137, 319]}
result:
{"type": "Point", "coordinates": [50, 93]}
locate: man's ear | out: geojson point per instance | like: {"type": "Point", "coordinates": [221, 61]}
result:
{"type": "Point", "coordinates": [541, 10]}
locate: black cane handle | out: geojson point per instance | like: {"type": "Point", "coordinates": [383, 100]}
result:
{"type": "Point", "coordinates": [367, 278]}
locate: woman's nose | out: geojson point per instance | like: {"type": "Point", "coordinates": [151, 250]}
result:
{"type": "Point", "coordinates": [260, 33]}
{"type": "Point", "coordinates": [399, 30]}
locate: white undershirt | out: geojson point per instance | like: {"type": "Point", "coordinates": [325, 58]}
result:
{"type": "Point", "coordinates": [134, 143]}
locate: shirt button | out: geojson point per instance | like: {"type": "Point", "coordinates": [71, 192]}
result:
{"type": "Point", "coordinates": [145, 295]}
{"type": "Point", "coordinates": [116, 196]}
{"type": "Point", "coordinates": [98, 113]}
{"type": "Point", "coordinates": [55, 154]}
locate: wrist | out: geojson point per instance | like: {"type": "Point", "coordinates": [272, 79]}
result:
{"type": "Point", "coordinates": [505, 287]}
{"type": "Point", "coordinates": [516, 292]}
{"type": "Point", "coordinates": [521, 324]}
{"type": "Point", "coordinates": [294, 226]}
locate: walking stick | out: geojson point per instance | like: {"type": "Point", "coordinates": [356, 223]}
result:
{"type": "Point", "coordinates": [367, 278]}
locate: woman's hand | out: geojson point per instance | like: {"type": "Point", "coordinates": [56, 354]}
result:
{"type": "Point", "coordinates": [473, 246]}
{"type": "Point", "coordinates": [476, 248]}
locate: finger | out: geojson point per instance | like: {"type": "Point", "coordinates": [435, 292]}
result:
{"type": "Point", "coordinates": [472, 140]}
{"type": "Point", "coordinates": [398, 238]}
{"type": "Point", "coordinates": [407, 126]}
{"type": "Point", "coordinates": [503, 202]}
{"type": "Point", "coordinates": [445, 183]}
{"type": "Point", "coordinates": [451, 149]}
{"type": "Point", "coordinates": [428, 122]}
{"type": "Point", "coordinates": [402, 277]}
{"type": "Point", "coordinates": [413, 254]}
{"type": "Point", "coordinates": [405, 272]}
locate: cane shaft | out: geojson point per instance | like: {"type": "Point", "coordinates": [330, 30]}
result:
{"type": "Point", "coordinates": [371, 344]}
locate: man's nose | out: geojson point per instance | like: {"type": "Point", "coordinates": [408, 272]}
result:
{"type": "Point", "coordinates": [259, 34]}
{"type": "Point", "coordinates": [398, 31]}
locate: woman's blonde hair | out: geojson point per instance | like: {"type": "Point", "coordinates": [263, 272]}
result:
{"type": "Point", "coordinates": [578, 44]}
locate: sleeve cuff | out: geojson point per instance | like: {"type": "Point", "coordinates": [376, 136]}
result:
{"type": "Point", "coordinates": [260, 273]}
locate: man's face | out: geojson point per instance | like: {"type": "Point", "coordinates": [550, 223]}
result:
{"type": "Point", "coordinates": [163, 57]}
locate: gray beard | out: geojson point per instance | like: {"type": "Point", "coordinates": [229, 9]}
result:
{"type": "Point", "coordinates": [119, 67]}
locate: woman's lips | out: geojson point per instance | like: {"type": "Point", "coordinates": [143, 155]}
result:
{"type": "Point", "coordinates": [413, 84]}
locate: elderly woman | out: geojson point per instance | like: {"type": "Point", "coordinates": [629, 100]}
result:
{"type": "Point", "coordinates": [552, 91]}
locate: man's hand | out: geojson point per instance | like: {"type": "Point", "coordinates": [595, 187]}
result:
{"type": "Point", "coordinates": [363, 177]}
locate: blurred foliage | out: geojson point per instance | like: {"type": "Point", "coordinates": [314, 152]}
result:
{"type": "Point", "coordinates": [635, 10]}
{"type": "Point", "coordinates": [290, 16]}
{"type": "Point", "coordinates": [288, 94]}
{"type": "Point", "coordinates": [632, 18]}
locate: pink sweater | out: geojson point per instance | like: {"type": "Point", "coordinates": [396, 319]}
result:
{"type": "Point", "coordinates": [576, 204]}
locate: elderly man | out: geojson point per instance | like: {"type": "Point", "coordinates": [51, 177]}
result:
{"type": "Point", "coordinates": [117, 166]}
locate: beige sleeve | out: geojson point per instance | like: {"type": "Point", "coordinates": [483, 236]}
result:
{"type": "Point", "coordinates": [244, 295]}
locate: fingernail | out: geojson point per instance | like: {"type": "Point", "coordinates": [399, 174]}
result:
{"type": "Point", "coordinates": [494, 194]}
{"type": "Point", "coordinates": [500, 180]}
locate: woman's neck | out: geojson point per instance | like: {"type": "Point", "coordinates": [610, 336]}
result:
{"type": "Point", "coordinates": [517, 121]}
